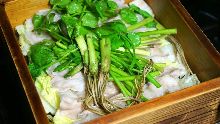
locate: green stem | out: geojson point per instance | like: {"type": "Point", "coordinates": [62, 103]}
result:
{"type": "Point", "coordinates": [116, 70]}
{"type": "Point", "coordinates": [105, 48]}
{"type": "Point", "coordinates": [57, 36]}
{"type": "Point", "coordinates": [119, 60]}
{"type": "Point", "coordinates": [153, 81]}
{"type": "Point", "coordinates": [125, 92]}
{"type": "Point", "coordinates": [83, 48]}
{"type": "Point", "coordinates": [61, 45]}
{"type": "Point", "coordinates": [126, 78]}
{"type": "Point", "coordinates": [73, 71]}
{"type": "Point", "coordinates": [158, 32]}
{"type": "Point", "coordinates": [93, 61]}
{"type": "Point", "coordinates": [145, 40]}
{"type": "Point", "coordinates": [155, 73]}
{"type": "Point", "coordinates": [140, 24]}
{"type": "Point", "coordinates": [64, 56]}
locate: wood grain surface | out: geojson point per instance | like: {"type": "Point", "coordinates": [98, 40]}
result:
{"type": "Point", "coordinates": [198, 103]}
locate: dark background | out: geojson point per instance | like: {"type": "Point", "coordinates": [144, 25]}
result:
{"type": "Point", "coordinates": [14, 107]}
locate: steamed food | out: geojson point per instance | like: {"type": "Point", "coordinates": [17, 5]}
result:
{"type": "Point", "coordinates": [89, 58]}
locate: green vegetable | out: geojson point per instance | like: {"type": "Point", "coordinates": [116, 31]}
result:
{"type": "Point", "coordinates": [89, 20]}
{"type": "Point", "coordinates": [70, 23]}
{"type": "Point", "coordinates": [50, 18]}
{"type": "Point", "coordinates": [128, 16]}
{"type": "Point", "coordinates": [152, 24]}
{"type": "Point", "coordinates": [110, 28]}
{"type": "Point", "coordinates": [80, 30]}
{"type": "Point", "coordinates": [106, 8]}
{"type": "Point", "coordinates": [117, 26]}
{"type": "Point", "coordinates": [41, 54]}
{"type": "Point", "coordinates": [104, 31]}
{"type": "Point", "coordinates": [158, 32]}
{"type": "Point", "coordinates": [136, 9]}
{"type": "Point", "coordinates": [74, 70]}
{"type": "Point", "coordinates": [93, 61]}
{"type": "Point", "coordinates": [116, 41]}
{"type": "Point", "coordinates": [34, 70]}
{"type": "Point", "coordinates": [140, 24]}
{"type": "Point", "coordinates": [44, 88]}
{"type": "Point", "coordinates": [60, 3]}
{"type": "Point", "coordinates": [74, 8]}
{"type": "Point", "coordinates": [105, 47]}
{"type": "Point", "coordinates": [66, 65]}
{"type": "Point", "coordinates": [134, 38]}
{"type": "Point", "coordinates": [125, 92]}
{"type": "Point", "coordinates": [37, 21]}
{"type": "Point", "coordinates": [59, 119]}
{"type": "Point", "coordinates": [54, 27]}
{"type": "Point", "coordinates": [153, 81]}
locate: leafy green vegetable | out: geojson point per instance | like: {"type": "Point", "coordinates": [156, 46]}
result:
{"type": "Point", "coordinates": [44, 88]}
{"type": "Point", "coordinates": [136, 9]}
{"type": "Point", "coordinates": [34, 70]}
{"type": "Point", "coordinates": [117, 26]}
{"type": "Point", "coordinates": [89, 20]}
{"type": "Point", "coordinates": [66, 65]}
{"type": "Point", "coordinates": [134, 38]}
{"type": "Point", "coordinates": [74, 8]}
{"type": "Point", "coordinates": [37, 21]}
{"type": "Point", "coordinates": [106, 9]}
{"type": "Point", "coordinates": [80, 30]}
{"type": "Point", "coordinates": [116, 41]}
{"type": "Point", "coordinates": [104, 31]}
{"type": "Point", "coordinates": [54, 27]}
{"type": "Point", "coordinates": [41, 54]}
{"type": "Point", "coordinates": [60, 3]}
{"type": "Point", "coordinates": [112, 5]}
{"type": "Point", "coordinates": [111, 28]}
{"type": "Point", "coordinates": [128, 16]}
{"type": "Point", "coordinates": [50, 18]}
{"type": "Point", "coordinates": [70, 23]}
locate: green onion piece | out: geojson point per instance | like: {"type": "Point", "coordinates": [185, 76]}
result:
{"type": "Point", "coordinates": [158, 32]}
{"type": "Point", "coordinates": [153, 81]}
{"type": "Point", "coordinates": [140, 24]}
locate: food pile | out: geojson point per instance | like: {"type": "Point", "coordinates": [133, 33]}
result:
{"type": "Point", "coordinates": [92, 57]}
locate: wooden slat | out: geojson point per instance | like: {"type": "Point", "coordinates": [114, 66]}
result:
{"type": "Point", "coordinates": [200, 54]}
{"type": "Point", "coordinates": [20, 10]}
{"type": "Point", "coordinates": [5, 1]}
{"type": "Point", "coordinates": [191, 102]}
{"type": "Point", "coordinates": [22, 69]}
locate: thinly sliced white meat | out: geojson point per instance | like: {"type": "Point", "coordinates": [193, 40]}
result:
{"type": "Point", "coordinates": [70, 105]}
{"type": "Point", "coordinates": [171, 84]}
{"type": "Point", "coordinates": [76, 84]}
{"type": "Point", "coordinates": [147, 92]}
{"type": "Point", "coordinates": [158, 91]}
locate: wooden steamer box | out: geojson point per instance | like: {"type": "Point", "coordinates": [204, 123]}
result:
{"type": "Point", "coordinates": [197, 104]}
